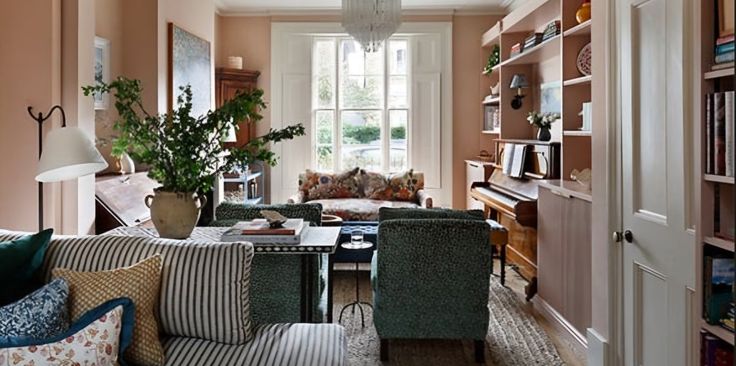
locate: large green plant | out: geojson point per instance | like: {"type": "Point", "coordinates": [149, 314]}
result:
{"type": "Point", "coordinates": [185, 152]}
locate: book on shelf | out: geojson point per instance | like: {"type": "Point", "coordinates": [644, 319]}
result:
{"type": "Point", "coordinates": [723, 40]}
{"type": "Point", "coordinates": [724, 57]}
{"type": "Point", "coordinates": [552, 29]}
{"type": "Point", "coordinates": [727, 65]}
{"type": "Point", "coordinates": [718, 274]}
{"type": "Point", "coordinates": [518, 161]}
{"type": "Point", "coordinates": [587, 114]}
{"type": "Point", "coordinates": [515, 49]}
{"type": "Point", "coordinates": [714, 351]}
{"type": "Point", "coordinates": [719, 134]}
{"type": "Point", "coordinates": [259, 232]}
{"type": "Point", "coordinates": [532, 40]}
{"type": "Point", "coordinates": [724, 48]}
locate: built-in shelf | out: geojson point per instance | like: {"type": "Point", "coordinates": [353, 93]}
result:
{"type": "Point", "coordinates": [578, 30]}
{"type": "Point", "coordinates": [492, 36]}
{"type": "Point", "coordinates": [530, 15]}
{"type": "Point", "coordinates": [724, 244]}
{"type": "Point", "coordinates": [576, 81]}
{"type": "Point", "coordinates": [719, 179]}
{"type": "Point", "coordinates": [539, 53]}
{"type": "Point", "coordinates": [493, 100]}
{"type": "Point", "coordinates": [491, 132]}
{"type": "Point", "coordinates": [577, 133]}
{"type": "Point", "coordinates": [721, 73]}
{"type": "Point", "coordinates": [719, 332]}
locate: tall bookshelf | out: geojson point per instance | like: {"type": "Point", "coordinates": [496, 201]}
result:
{"type": "Point", "coordinates": [715, 224]}
{"type": "Point", "coordinates": [554, 60]}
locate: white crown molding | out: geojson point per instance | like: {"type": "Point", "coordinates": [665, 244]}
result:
{"type": "Point", "coordinates": [266, 12]}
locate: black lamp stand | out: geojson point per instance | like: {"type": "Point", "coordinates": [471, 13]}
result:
{"type": "Point", "coordinates": [40, 119]}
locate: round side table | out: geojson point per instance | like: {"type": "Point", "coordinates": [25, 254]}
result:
{"type": "Point", "coordinates": [357, 303]}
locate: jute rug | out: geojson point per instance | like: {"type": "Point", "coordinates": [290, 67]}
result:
{"type": "Point", "coordinates": [514, 338]}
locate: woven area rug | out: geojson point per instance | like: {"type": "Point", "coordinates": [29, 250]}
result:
{"type": "Point", "coordinates": [514, 338]}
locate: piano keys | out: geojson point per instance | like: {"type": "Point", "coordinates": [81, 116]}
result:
{"type": "Point", "coordinates": [512, 202]}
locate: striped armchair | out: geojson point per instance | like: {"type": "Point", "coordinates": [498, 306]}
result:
{"type": "Point", "coordinates": [430, 276]}
{"type": "Point", "coordinates": [196, 332]}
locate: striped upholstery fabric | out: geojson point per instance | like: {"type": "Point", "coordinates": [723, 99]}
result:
{"type": "Point", "coordinates": [275, 344]}
{"type": "Point", "coordinates": [204, 286]}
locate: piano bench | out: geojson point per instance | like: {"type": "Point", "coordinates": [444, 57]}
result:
{"type": "Point", "coordinates": [499, 237]}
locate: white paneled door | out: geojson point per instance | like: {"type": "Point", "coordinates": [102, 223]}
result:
{"type": "Point", "coordinates": [657, 249]}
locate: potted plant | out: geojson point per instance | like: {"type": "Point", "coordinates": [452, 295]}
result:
{"type": "Point", "coordinates": [543, 121]}
{"type": "Point", "coordinates": [185, 153]}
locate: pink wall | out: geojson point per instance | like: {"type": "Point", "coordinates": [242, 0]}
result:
{"type": "Point", "coordinates": [249, 37]}
{"type": "Point", "coordinates": [29, 75]}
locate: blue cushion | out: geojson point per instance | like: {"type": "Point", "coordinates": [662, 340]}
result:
{"type": "Point", "coordinates": [42, 314]}
{"type": "Point", "coordinates": [92, 316]}
{"type": "Point", "coordinates": [20, 262]}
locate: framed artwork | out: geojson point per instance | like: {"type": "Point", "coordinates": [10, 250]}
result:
{"type": "Point", "coordinates": [550, 96]}
{"type": "Point", "coordinates": [102, 71]}
{"type": "Point", "coordinates": [189, 64]}
{"type": "Point", "coordinates": [725, 18]}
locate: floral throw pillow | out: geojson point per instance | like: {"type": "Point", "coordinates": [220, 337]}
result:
{"type": "Point", "coordinates": [40, 315]}
{"type": "Point", "coordinates": [316, 185]}
{"type": "Point", "coordinates": [375, 186]}
{"type": "Point", "coordinates": [405, 185]}
{"type": "Point", "coordinates": [99, 338]}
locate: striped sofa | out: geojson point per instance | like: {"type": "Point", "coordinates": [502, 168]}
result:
{"type": "Point", "coordinates": [204, 307]}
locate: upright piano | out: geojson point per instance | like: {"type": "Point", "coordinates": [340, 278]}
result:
{"type": "Point", "coordinates": [512, 201]}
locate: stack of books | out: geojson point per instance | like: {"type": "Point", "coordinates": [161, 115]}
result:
{"type": "Point", "coordinates": [532, 40]}
{"type": "Point", "coordinates": [714, 352]}
{"type": "Point", "coordinates": [727, 321]}
{"type": "Point", "coordinates": [552, 30]}
{"type": "Point", "coordinates": [260, 232]}
{"type": "Point", "coordinates": [724, 52]}
{"type": "Point", "coordinates": [719, 132]}
{"type": "Point", "coordinates": [515, 49]}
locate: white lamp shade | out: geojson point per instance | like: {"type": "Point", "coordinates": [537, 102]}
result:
{"type": "Point", "coordinates": [68, 153]}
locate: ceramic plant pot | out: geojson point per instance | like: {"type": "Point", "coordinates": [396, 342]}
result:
{"type": "Point", "coordinates": [583, 13]}
{"type": "Point", "coordinates": [543, 134]}
{"type": "Point", "coordinates": [175, 214]}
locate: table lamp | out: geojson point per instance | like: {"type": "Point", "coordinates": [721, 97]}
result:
{"type": "Point", "coordinates": [69, 154]}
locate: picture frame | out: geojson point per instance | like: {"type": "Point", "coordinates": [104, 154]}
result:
{"type": "Point", "coordinates": [102, 71]}
{"type": "Point", "coordinates": [189, 63]}
{"type": "Point", "coordinates": [550, 97]}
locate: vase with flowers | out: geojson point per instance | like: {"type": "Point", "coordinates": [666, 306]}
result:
{"type": "Point", "coordinates": [543, 122]}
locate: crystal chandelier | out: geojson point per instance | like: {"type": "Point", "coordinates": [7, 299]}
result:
{"type": "Point", "coordinates": [371, 22]}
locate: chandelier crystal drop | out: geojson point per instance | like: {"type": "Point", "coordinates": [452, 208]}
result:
{"type": "Point", "coordinates": [371, 22]}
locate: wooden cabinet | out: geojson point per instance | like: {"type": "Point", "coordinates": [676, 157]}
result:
{"type": "Point", "coordinates": [563, 259]}
{"type": "Point", "coordinates": [475, 171]}
{"type": "Point", "coordinates": [229, 82]}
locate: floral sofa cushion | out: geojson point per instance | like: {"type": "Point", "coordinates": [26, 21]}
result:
{"type": "Point", "coordinates": [358, 209]}
{"type": "Point", "coordinates": [401, 186]}
{"type": "Point", "coordinates": [316, 185]}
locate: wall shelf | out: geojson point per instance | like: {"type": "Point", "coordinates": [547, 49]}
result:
{"type": "Point", "coordinates": [718, 179]}
{"type": "Point", "coordinates": [719, 332]}
{"type": "Point", "coordinates": [578, 133]}
{"type": "Point", "coordinates": [491, 132]}
{"type": "Point", "coordinates": [579, 30]}
{"type": "Point", "coordinates": [724, 244]}
{"type": "Point", "coordinates": [577, 81]}
{"type": "Point", "coordinates": [494, 100]}
{"type": "Point", "coordinates": [491, 36]}
{"type": "Point", "coordinates": [541, 52]}
{"type": "Point", "coordinates": [722, 73]}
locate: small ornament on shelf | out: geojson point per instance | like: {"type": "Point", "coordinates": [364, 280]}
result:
{"type": "Point", "coordinates": [583, 13]}
{"type": "Point", "coordinates": [493, 60]}
{"type": "Point", "coordinates": [543, 121]}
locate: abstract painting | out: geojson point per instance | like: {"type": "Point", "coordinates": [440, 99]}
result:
{"type": "Point", "coordinates": [190, 64]}
{"type": "Point", "coordinates": [102, 71]}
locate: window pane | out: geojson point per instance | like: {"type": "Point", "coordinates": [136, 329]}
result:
{"type": "Point", "coordinates": [361, 92]}
{"type": "Point", "coordinates": [398, 57]}
{"type": "Point", "coordinates": [361, 140]}
{"type": "Point", "coordinates": [325, 158]}
{"type": "Point", "coordinates": [354, 61]}
{"type": "Point", "coordinates": [397, 96]}
{"type": "Point", "coordinates": [324, 74]}
{"type": "Point", "coordinates": [397, 155]}
{"type": "Point", "coordinates": [325, 126]}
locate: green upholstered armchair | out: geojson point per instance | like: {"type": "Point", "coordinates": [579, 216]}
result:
{"type": "Point", "coordinates": [430, 276]}
{"type": "Point", "coordinates": [276, 278]}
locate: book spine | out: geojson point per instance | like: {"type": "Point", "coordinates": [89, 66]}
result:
{"type": "Point", "coordinates": [729, 105]}
{"type": "Point", "coordinates": [719, 110]}
{"type": "Point", "coordinates": [709, 134]}
{"type": "Point", "coordinates": [726, 47]}
{"type": "Point", "coordinates": [726, 39]}
{"type": "Point", "coordinates": [725, 57]}
{"type": "Point", "coordinates": [711, 345]}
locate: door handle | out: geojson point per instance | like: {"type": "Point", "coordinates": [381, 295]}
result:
{"type": "Point", "coordinates": [627, 235]}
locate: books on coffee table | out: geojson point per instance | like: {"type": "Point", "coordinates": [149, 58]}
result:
{"type": "Point", "coordinates": [259, 232]}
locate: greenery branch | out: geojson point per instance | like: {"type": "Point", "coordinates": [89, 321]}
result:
{"type": "Point", "coordinates": [184, 152]}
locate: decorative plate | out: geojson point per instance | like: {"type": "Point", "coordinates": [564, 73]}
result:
{"type": "Point", "coordinates": [584, 60]}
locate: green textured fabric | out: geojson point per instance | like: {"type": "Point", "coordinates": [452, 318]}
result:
{"type": "Point", "coordinates": [431, 279]}
{"type": "Point", "coordinates": [20, 261]}
{"type": "Point", "coordinates": [276, 278]}
{"type": "Point", "coordinates": [388, 213]}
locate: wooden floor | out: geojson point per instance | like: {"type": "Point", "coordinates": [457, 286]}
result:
{"type": "Point", "coordinates": [442, 351]}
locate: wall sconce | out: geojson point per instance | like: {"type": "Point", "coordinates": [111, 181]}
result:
{"type": "Point", "coordinates": [518, 82]}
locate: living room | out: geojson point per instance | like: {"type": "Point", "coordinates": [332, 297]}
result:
{"type": "Point", "coordinates": [323, 182]}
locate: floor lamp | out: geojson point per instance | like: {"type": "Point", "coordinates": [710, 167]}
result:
{"type": "Point", "coordinates": [69, 154]}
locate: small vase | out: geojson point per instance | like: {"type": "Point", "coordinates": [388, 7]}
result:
{"type": "Point", "coordinates": [127, 165]}
{"type": "Point", "coordinates": [175, 214]}
{"type": "Point", "coordinates": [583, 13]}
{"type": "Point", "coordinates": [543, 134]}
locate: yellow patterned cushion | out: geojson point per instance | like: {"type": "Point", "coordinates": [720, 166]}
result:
{"type": "Point", "coordinates": [139, 282]}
